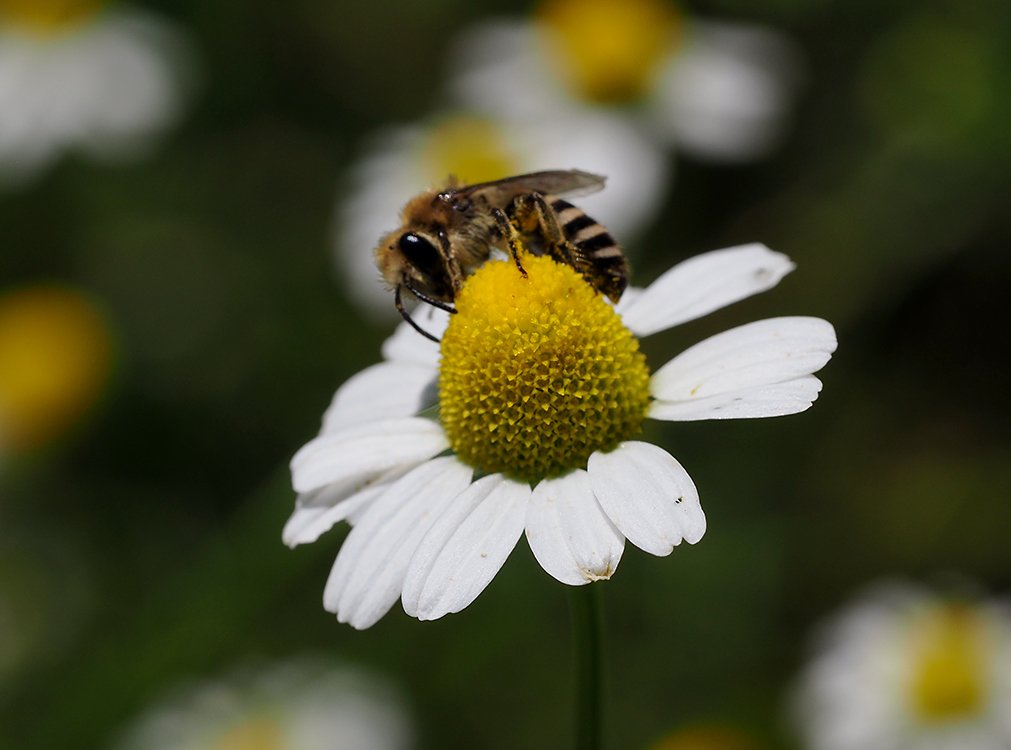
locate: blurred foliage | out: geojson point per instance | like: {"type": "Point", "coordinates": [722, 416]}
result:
{"type": "Point", "coordinates": [144, 547]}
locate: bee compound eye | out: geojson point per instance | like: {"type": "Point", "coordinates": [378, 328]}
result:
{"type": "Point", "coordinates": [420, 252]}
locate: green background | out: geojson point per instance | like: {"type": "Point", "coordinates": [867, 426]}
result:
{"type": "Point", "coordinates": [144, 548]}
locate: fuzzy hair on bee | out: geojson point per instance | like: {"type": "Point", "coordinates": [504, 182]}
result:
{"type": "Point", "coordinates": [448, 232]}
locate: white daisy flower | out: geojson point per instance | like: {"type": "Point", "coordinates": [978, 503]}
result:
{"type": "Point", "coordinates": [541, 390]}
{"type": "Point", "coordinates": [718, 90]}
{"type": "Point", "coordinates": [75, 75]}
{"type": "Point", "coordinates": [408, 160]}
{"type": "Point", "coordinates": [906, 669]}
{"type": "Point", "coordinates": [297, 705]}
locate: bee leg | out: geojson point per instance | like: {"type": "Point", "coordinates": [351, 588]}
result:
{"type": "Point", "coordinates": [407, 316]}
{"type": "Point", "coordinates": [510, 235]}
{"type": "Point", "coordinates": [532, 211]}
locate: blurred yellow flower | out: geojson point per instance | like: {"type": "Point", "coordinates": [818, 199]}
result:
{"type": "Point", "coordinates": [473, 149]}
{"type": "Point", "coordinates": [719, 90]}
{"type": "Point", "coordinates": [49, 16]}
{"type": "Point", "coordinates": [905, 667]}
{"type": "Point", "coordinates": [297, 704]}
{"type": "Point", "coordinates": [609, 50]}
{"type": "Point", "coordinates": [949, 672]}
{"type": "Point", "coordinates": [256, 733]}
{"type": "Point", "coordinates": [55, 357]}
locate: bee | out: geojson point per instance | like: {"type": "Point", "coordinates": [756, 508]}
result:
{"type": "Point", "coordinates": [448, 232]}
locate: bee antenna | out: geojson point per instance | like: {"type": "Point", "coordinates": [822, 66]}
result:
{"type": "Point", "coordinates": [407, 316]}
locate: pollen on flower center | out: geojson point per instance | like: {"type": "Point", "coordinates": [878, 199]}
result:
{"type": "Point", "coordinates": [537, 373]}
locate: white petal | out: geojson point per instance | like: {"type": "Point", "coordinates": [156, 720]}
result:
{"type": "Point", "coordinates": [388, 389]}
{"type": "Point", "coordinates": [630, 294]}
{"type": "Point", "coordinates": [330, 494]}
{"type": "Point", "coordinates": [359, 454]}
{"type": "Point", "coordinates": [355, 514]}
{"type": "Point", "coordinates": [724, 95]}
{"type": "Point", "coordinates": [648, 495]}
{"type": "Point", "coordinates": [758, 369]}
{"type": "Point", "coordinates": [504, 57]}
{"type": "Point", "coordinates": [142, 66]}
{"type": "Point", "coordinates": [707, 282]}
{"type": "Point", "coordinates": [408, 346]}
{"type": "Point", "coordinates": [777, 400]}
{"type": "Point", "coordinates": [368, 575]}
{"type": "Point", "coordinates": [466, 547]}
{"type": "Point", "coordinates": [108, 86]}
{"type": "Point", "coordinates": [765, 351]}
{"type": "Point", "coordinates": [311, 520]}
{"type": "Point", "coordinates": [569, 533]}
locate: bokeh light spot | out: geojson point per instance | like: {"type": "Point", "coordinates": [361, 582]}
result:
{"type": "Point", "coordinates": [55, 357]}
{"type": "Point", "coordinates": [609, 50]}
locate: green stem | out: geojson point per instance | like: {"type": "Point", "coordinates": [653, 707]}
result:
{"type": "Point", "coordinates": [586, 624]}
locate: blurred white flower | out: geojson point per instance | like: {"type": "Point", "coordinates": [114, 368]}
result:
{"type": "Point", "coordinates": [541, 392]}
{"type": "Point", "coordinates": [298, 705]}
{"type": "Point", "coordinates": [906, 669]}
{"type": "Point", "coordinates": [75, 75]}
{"type": "Point", "coordinates": [402, 162]}
{"type": "Point", "coordinates": [716, 90]}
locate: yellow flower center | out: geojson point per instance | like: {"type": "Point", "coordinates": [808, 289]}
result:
{"type": "Point", "coordinates": [48, 16]}
{"type": "Point", "coordinates": [949, 677]}
{"type": "Point", "coordinates": [470, 148]}
{"type": "Point", "coordinates": [537, 373]}
{"type": "Point", "coordinates": [257, 733]}
{"type": "Point", "coordinates": [55, 356]}
{"type": "Point", "coordinates": [609, 50]}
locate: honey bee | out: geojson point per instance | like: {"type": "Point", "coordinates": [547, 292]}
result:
{"type": "Point", "coordinates": [448, 232]}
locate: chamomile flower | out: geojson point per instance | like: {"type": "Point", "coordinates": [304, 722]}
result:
{"type": "Point", "coordinates": [405, 161]}
{"type": "Point", "coordinates": [78, 76]}
{"type": "Point", "coordinates": [541, 391]}
{"type": "Point", "coordinates": [295, 705]}
{"type": "Point", "coordinates": [714, 89]}
{"type": "Point", "coordinates": [906, 668]}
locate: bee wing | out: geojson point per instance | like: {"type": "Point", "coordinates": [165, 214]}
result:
{"type": "Point", "coordinates": [561, 182]}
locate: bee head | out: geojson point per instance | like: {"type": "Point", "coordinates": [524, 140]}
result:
{"type": "Point", "coordinates": [421, 254]}
{"type": "Point", "coordinates": [413, 259]}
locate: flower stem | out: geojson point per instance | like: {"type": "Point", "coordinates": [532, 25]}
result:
{"type": "Point", "coordinates": [586, 625]}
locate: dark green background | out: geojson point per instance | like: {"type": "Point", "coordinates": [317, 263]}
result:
{"type": "Point", "coordinates": [145, 548]}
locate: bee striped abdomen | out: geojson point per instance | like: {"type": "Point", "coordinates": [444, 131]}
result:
{"type": "Point", "coordinates": [599, 258]}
